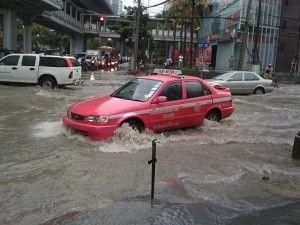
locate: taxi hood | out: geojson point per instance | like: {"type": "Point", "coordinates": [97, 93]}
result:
{"type": "Point", "coordinates": [106, 105]}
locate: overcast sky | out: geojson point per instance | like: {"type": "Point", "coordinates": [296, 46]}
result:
{"type": "Point", "coordinates": [152, 11]}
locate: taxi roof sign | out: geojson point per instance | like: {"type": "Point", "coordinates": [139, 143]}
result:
{"type": "Point", "coordinates": [167, 71]}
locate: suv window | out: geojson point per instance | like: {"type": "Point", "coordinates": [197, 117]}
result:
{"type": "Point", "coordinates": [28, 60]}
{"type": "Point", "coordinates": [195, 89]}
{"type": "Point", "coordinates": [250, 77]}
{"type": "Point", "coordinates": [11, 60]}
{"type": "Point", "coordinates": [172, 91]}
{"type": "Point", "coordinates": [237, 77]}
{"type": "Point", "coordinates": [53, 62]}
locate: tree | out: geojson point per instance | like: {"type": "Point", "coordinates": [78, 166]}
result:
{"type": "Point", "coordinates": [93, 43]}
{"type": "Point", "coordinates": [188, 9]}
{"type": "Point", "coordinates": [125, 27]}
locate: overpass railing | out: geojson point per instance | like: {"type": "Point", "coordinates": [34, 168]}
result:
{"type": "Point", "coordinates": [168, 35]}
{"type": "Point", "coordinates": [56, 3]}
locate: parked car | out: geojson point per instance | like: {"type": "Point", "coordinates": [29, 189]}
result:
{"type": "Point", "coordinates": [243, 82]}
{"type": "Point", "coordinates": [45, 70]}
{"type": "Point", "coordinates": [154, 102]}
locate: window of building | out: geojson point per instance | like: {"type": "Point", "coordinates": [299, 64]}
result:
{"type": "Point", "coordinates": [282, 45]}
{"type": "Point", "coordinates": [28, 60]}
{"type": "Point", "coordinates": [286, 2]}
{"type": "Point", "coordinates": [10, 60]}
{"type": "Point", "coordinates": [68, 8]}
{"type": "Point", "coordinates": [195, 89]}
{"type": "Point", "coordinates": [283, 24]}
{"type": "Point", "coordinates": [73, 12]}
{"type": "Point", "coordinates": [172, 91]}
{"type": "Point", "coordinates": [78, 15]}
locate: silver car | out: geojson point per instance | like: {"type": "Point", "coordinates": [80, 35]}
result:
{"type": "Point", "coordinates": [243, 82]}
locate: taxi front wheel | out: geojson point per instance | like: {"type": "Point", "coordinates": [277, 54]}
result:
{"type": "Point", "coordinates": [135, 125]}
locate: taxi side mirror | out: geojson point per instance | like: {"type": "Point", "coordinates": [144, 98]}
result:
{"type": "Point", "coordinates": [160, 99]}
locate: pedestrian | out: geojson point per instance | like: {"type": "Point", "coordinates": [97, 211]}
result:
{"type": "Point", "coordinates": [231, 63]}
{"type": "Point", "coordinates": [80, 59]}
{"type": "Point", "coordinates": [180, 61]}
{"type": "Point", "coordinates": [293, 66]}
{"type": "Point", "coordinates": [269, 75]}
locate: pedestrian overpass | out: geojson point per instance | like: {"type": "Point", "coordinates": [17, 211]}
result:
{"type": "Point", "coordinates": [76, 17]}
{"type": "Point", "coordinates": [79, 18]}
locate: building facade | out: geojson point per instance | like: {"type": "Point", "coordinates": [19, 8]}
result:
{"type": "Point", "coordinates": [289, 37]}
{"type": "Point", "coordinates": [117, 6]}
{"type": "Point", "coordinates": [223, 30]}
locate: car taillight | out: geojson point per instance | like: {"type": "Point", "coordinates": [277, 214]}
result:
{"type": "Point", "coordinates": [69, 62]}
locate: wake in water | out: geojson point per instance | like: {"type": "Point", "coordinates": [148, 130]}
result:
{"type": "Point", "coordinates": [128, 140]}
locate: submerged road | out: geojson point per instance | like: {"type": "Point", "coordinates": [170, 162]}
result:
{"type": "Point", "coordinates": [212, 174]}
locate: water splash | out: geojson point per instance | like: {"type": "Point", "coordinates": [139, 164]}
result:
{"type": "Point", "coordinates": [47, 129]}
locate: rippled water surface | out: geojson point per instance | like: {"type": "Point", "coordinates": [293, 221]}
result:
{"type": "Point", "coordinates": [211, 174]}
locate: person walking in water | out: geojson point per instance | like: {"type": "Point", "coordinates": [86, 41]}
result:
{"type": "Point", "coordinates": [293, 66]}
{"type": "Point", "coordinates": [180, 61]}
{"type": "Point", "coordinates": [231, 63]}
{"type": "Point", "coordinates": [269, 75]}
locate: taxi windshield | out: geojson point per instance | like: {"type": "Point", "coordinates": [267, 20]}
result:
{"type": "Point", "coordinates": [137, 90]}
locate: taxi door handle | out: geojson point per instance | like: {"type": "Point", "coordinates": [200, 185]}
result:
{"type": "Point", "coordinates": [14, 68]}
{"type": "Point", "coordinates": [32, 69]}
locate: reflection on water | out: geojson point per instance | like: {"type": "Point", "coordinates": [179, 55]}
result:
{"type": "Point", "coordinates": [205, 175]}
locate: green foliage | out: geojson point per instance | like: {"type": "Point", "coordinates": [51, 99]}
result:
{"type": "Point", "coordinates": [125, 27]}
{"type": "Point", "coordinates": [93, 43]}
{"type": "Point", "coordinates": [45, 38]}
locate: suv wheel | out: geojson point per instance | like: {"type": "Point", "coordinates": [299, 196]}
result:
{"type": "Point", "coordinates": [48, 82]}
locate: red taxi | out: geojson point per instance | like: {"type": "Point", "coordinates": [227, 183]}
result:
{"type": "Point", "coordinates": [156, 102]}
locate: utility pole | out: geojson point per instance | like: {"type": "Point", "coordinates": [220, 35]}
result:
{"type": "Point", "coordinates": [245, 36]}
{"type": "Point", "coordinates": [137, 32]}
{"type": "Point", "coordinates": [174, 39]}
{"type": "Point", "coordinates": [192, 34]}
{"type": "Point", "coordinates": [255, 52]}
{"type": "Point", "coordinates": [298, 53]}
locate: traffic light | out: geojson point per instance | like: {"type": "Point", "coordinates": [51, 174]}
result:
{"type": "Point", "coordinates": [101, 19]}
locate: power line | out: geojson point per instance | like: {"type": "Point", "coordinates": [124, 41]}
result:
{"type": "Point", "coordinates": [157, 4]}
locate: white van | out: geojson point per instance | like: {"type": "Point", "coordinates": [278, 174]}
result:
{"type": "Point", "coordinates": [45, 70]}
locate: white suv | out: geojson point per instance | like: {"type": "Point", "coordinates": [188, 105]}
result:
{"type": "Point", "coordinates": [45, 70]}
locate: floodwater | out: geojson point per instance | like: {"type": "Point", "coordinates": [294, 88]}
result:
{"type": "Point", "coordinates": [238, 171]}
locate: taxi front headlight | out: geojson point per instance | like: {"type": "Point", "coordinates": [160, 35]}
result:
{"type": "Point", "coordinates": [97, 119]}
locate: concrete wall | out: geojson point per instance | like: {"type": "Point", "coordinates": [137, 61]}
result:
{"type": "Point", "coordinates": [289, 36]}
{"type": "Point", "coordinates": [224, 52]}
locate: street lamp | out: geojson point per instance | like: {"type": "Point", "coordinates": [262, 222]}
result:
{"type": "Point", "coordinates": [126, 41]}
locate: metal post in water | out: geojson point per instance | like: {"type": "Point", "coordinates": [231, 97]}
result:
{"type": "Point", "coordinates": [296, 147]}
{"type": "Point", "coordinates": [153, 161]}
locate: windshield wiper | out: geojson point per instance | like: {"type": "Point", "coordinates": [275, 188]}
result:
{"type": "Point", "coordinates": [136, 100]}
{"type": "Point", "coordinates": [126, 98]}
